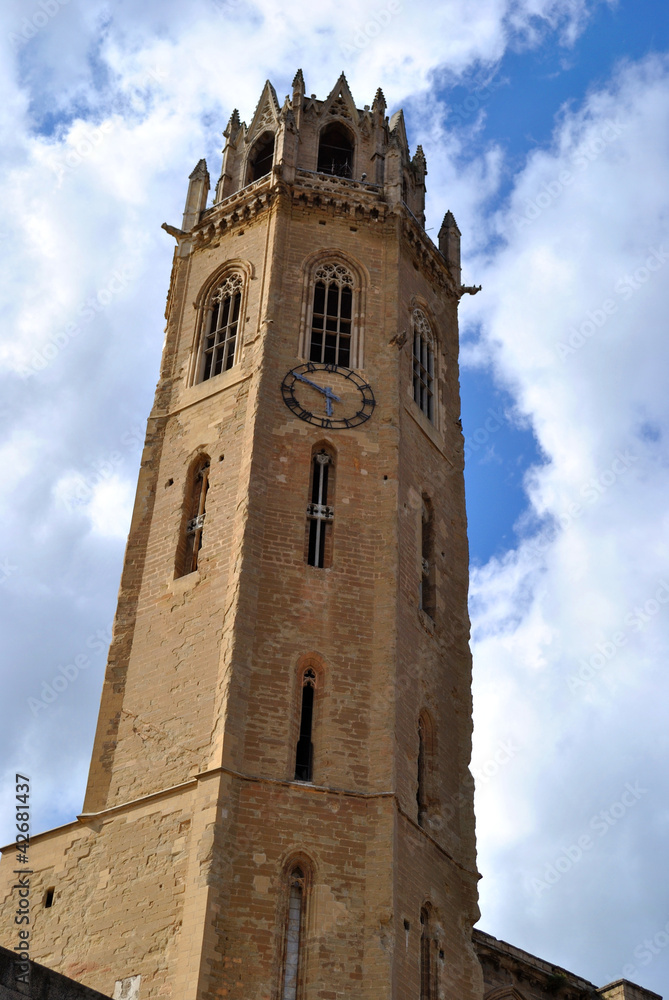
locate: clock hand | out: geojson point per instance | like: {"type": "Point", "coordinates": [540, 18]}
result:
{"type": "Point", "coordinates": [327, 392]}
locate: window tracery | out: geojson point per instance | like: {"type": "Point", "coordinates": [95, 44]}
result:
{"type": "Point", "coordinates": [332, 315]}
{"type": "Point", "coordinates": [220, 334]}
{"type": "Point", "coordinates": [423, 364]}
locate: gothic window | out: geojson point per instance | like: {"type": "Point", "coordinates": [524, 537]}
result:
{"type": "Point", "coordinates": [304, 755]}
{"type": "Point", "coordinates": [294, 933]}
{"type": "Point", "coordinates": [320, 513]}
{"type": "Point", "coordinates": [262, 157]}
{"type": "Point", "coordinates": [190, 541]}
{"type": "Point", "coordinates": [220, 334]}
{"type": "Point", "coordinates": [423, 364]}
{"type": "Point", "coordinates": [332, 315]}
{"type": "Point", "coordinates": [335, 151]}
{"type": "Point", "coordinates": [427, 595]}
{"type": "Point", "coordinates": [429, 986]}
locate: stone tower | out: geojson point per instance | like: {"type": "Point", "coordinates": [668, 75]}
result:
{"type": "Point", "coordinates": [279, 804]}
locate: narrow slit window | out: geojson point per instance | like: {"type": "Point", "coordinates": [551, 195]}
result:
{"type": "Point", "coordinates": [195, 513]}
{"type": "Point", "coordinates": [48, 897]}
{"type": "Point", "coordinates": [427, 595]}
{"type": "Point", "coordinates": [421, 793]}
{"type": "Point", "coordinates": [332, 316]}
{"type": "Point", "coordinates": [294, 930]}
{"type": "Point", "coordinates": [320, 513]}
{"type": "Point", "coordinates": [423, 365]}
{"type": "Point", "coordinates": [428, 952]}
{"type": "Point", "coordinates": [304, 755]}
{"type": "Point", "coordinates": [220, 339]}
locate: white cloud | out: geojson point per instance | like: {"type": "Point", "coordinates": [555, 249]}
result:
{"type": "Point", "coordinates": [98, 146]}
{"type": "Point", "coordinates": [577, 621]}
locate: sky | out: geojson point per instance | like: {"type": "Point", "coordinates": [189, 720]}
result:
{"type": "Point", "coordinates": [545, 124]}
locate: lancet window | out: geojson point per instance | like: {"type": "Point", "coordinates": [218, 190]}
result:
{"type": "Point", "coordinates": [261, 159]}
{"type": "Point", "coordinates": [427, 596]}
{"type": "Point", "coordinates": [429, 985]}
{"type": "Point", "coordinates": [423, 364]}
{"type": "Point", "coordinates": [294, 933]}
{"type": "Point", "coordinates": [332, 315]}
{"type": "Point", "coordinates": [304, 754]}
{"type": "Point", "coordinates": [193, 517]}
{"type": "Point", "coordinates": [335, 151]}
{"type": "Point", "coordinates": [320, 511]}
{"type": "Point", "coordinates": [220, 335]}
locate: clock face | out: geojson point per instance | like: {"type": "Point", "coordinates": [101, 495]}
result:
{"type": "Point", "coordinates": [328, 395]}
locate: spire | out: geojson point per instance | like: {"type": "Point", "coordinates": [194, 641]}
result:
{"type": "Point", "coordinates": [196, 199]}
{"type": "Point", "coordinates": [449, 245]}
{"type": "Point", "coordinates": [298, 81]}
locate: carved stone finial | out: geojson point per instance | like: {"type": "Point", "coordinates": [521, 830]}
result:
{"type": "Point", "coordinates": [419, 155]}
{"type": "Point", "coordinates": [233, 125]}
{"type": "Point", "coordinates": [379, 102]}
{"type": "Point", "coordinates": [298, 81]}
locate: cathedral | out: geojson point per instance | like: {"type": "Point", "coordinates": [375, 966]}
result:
{"type": "Point", "coordinates": [279, 804]}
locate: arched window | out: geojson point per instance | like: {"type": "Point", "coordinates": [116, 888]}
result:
{"type": "Point", "coordinates": [320, 511]}
{"type": "Point", "coordinates": [261, 158]}
{"type": "Point", "coordinates": [423, 364]}
{"type": "Point", "coordinates": [429, 986]}
{"type": "Point", "coordinates": [220, 331]}
{"type": "Point", "coordinates": [427, 596]}
{"type": "Point", "coordinates": [335, 151]}
{"type": "Point", "coordinates": [332, 315]}
{"type": "Point", "coordinates": [294, 932]}
{"type": "Point", "coordinates": [304, 754]}
{"type": "Point", "coordinates": [190, 540]}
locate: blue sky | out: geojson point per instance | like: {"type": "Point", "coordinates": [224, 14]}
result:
{"type": "Point", "coordinates": [546, 129]}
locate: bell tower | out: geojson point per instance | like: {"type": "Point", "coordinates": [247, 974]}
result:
{"type": "Point", "coordinates": [279, 804]}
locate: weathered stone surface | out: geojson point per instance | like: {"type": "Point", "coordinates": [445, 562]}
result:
{"type": "Point", "coordinates": [176, 871]}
